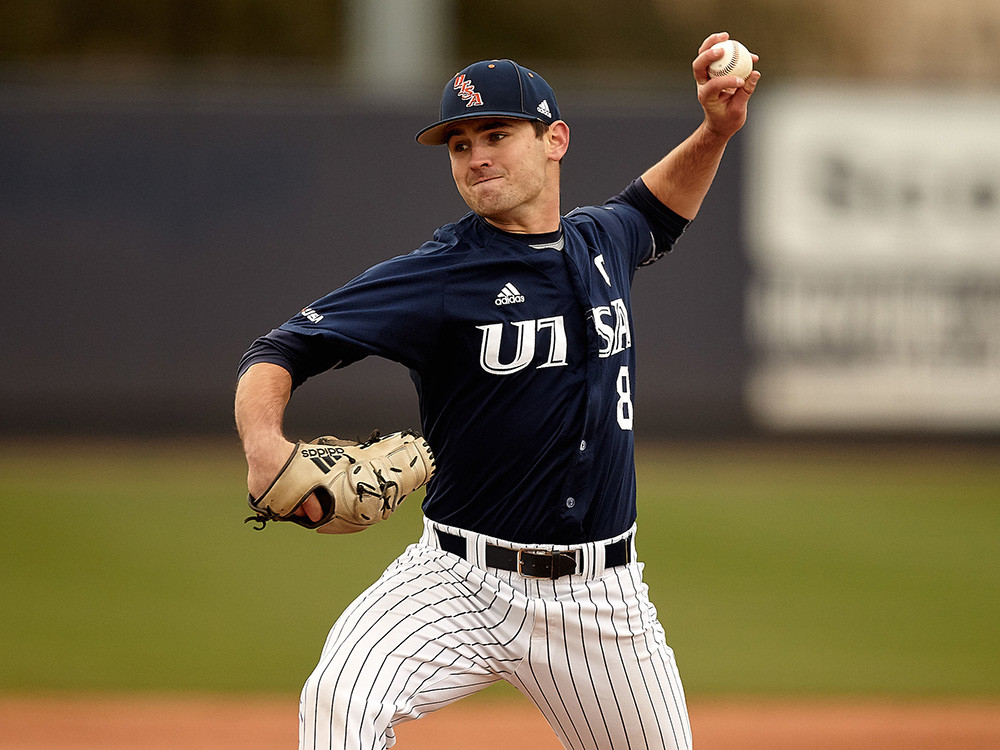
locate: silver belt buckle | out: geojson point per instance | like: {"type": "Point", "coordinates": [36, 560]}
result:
{"type": "Point", "coordinates": [534, 551]}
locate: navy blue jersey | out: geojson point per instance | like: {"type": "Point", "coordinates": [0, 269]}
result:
{"type": "Point", "coordinates": [521, 349]}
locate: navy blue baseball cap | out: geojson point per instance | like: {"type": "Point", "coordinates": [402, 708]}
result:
{"type": "Point", "coordinates": [492, 88]}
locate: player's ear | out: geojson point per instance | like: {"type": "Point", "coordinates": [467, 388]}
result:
{"type": "Point", "coordinates": [557, 137]}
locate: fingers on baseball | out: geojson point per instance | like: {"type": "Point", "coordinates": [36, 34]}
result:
{"type": "Point", "coordinates": [726, 87]}
{"type": "Point", "coordinates": [711, 40]}
{"type": "Point", "coordinates": [719, 89]}
{"type": "Point", "coordinates": [747, 86]}
{"type": "Point", "coordinates": [700, 65]}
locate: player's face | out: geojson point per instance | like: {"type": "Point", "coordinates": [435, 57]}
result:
{"type": "Point", "coordinates": [505, 172]}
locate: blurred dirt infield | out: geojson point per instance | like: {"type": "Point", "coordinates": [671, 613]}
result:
{"type": "Point", "coordinates": [191, 723]}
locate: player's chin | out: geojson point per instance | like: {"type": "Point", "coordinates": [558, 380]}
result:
{"type": "Point", "coordinates": [486, 201]}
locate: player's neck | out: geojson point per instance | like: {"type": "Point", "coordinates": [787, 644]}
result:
{"type": "Point", "coordinates": [519, 228]}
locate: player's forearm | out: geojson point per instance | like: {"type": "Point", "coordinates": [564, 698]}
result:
{"type": "Point", "coordinates": [261, 397]}
{"type": "Point", "coordinates": [681, 179]}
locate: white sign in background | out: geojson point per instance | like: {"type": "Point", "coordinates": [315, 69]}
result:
{"type": "Point", "coordinates": [873, 223]}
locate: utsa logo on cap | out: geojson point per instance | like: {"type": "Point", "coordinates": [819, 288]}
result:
{"type": "Point", "coordinates": [467, 91]}
{"type": "Point", "coordinates": [492, 88]}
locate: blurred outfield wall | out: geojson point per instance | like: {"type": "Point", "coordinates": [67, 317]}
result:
{"type": "Point", "coordinates": [149, 233]}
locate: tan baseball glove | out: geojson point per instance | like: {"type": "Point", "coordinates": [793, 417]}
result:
{"type": "Point", "coordinates": [357, 485]}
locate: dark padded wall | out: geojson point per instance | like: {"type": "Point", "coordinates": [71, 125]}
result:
{"type": "Point", "coordinates": [147, 236]}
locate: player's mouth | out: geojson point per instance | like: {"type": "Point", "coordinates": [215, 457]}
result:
{"type": "Point", "coordinates": [481, 178]}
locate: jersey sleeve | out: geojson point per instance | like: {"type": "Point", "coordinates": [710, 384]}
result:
{"type": "Point", "coordinates": [302, 355]}
{"type": "Point", "coordinates": [391, 310]}
{"type": "Point", "coordinates": [664, 225]}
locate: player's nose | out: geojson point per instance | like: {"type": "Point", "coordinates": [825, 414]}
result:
{"type": "Point", "coordinates": [479, 156]}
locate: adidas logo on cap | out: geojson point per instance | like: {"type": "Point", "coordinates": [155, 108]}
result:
{"type": "Point", "coordinates": [543, 108]}
{"type": "Point", "coordinates": [508, 296]}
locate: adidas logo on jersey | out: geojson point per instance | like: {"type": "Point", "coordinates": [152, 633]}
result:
{"type": "Point", "coordinates": [508, 296]}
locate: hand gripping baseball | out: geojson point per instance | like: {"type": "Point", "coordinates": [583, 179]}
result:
{"type": "Point", "coordinates": [357, 485]}
{"type": "Point", "coordinates": [724, 90]}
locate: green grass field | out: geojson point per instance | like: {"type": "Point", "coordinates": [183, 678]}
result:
{"type": "Point", "coordinates": [777, 571]}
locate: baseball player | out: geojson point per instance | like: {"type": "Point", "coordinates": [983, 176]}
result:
{"type": "Point", "coordinates": [515, 323]}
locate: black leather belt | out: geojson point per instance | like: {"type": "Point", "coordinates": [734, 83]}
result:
{"type": "Point", "coordinates": [531, 562]}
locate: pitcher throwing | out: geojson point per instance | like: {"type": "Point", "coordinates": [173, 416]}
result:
{"type": "Point", "coordinates": [516, 325]}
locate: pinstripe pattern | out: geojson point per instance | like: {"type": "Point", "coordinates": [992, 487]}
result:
{"type": "Point", "coordinates": [586, 649]}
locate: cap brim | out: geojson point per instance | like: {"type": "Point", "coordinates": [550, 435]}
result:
{"type": "Point", "coordinates": [436, 134]}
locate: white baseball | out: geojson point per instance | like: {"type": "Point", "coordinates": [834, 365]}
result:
{"type": "Point", "coordinates": [735, 62]}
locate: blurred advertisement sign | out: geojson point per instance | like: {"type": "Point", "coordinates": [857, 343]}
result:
{"type": "Point", "coordinates": [873, 228]}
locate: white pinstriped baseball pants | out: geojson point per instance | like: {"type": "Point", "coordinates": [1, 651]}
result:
{"type": "Point", "coordinates": [586, 649]}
